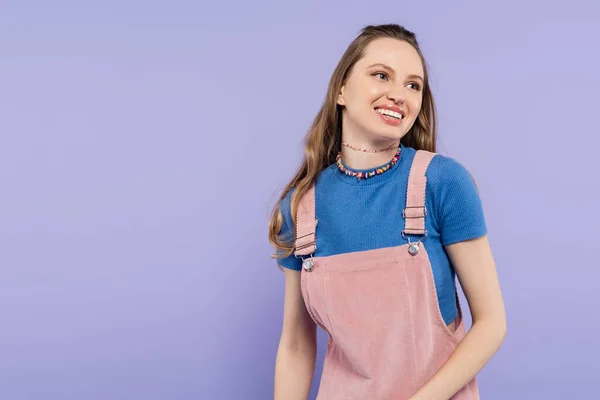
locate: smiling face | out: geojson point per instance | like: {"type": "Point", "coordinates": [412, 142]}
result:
{"type": "Point", "coordinates": [383, 93]}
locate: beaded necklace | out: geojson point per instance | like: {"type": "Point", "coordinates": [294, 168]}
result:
{"type": "Point", "coordinates": [366, 150]}
{"type": "Point", "coordinates": [359, 175]}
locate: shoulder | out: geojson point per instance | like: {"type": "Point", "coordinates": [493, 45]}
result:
{"type": "Point", "coordinates": [286, 205]}
{"type": "Point", "coordinates": [456, 203]}
{"type": "Point", "coordinates": [448, 173]}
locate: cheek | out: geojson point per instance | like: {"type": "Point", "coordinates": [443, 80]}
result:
{"type": "Point", "coordinates": [364, 95]}
{"type": "Point", "coordinates": [416, 104]}
{"type": "Point", "coordinates": [368, 91]}
{"type": "Point", "coordinates": [376, 92]}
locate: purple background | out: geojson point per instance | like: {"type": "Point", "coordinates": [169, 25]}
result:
{"type": "Point", "coordinates": [143, 143]}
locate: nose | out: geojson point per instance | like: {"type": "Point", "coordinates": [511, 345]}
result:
{"type": "Point", "coordinates": [396, 95]}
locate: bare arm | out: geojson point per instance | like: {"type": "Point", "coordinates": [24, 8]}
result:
{"type": "Point", "coordinates": [295, 363]}
{"type": "Point", "coordinates": [476, 271]}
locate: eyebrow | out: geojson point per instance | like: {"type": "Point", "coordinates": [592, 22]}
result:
{"type": "Point", "coordinates": [412, 76]}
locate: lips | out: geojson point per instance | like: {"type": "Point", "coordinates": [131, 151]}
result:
{"type": "Point", "coordinates": [390, 114]}
{"type": "Point", "coordinates": [392, 108]}
{"type": "Point", "coordinates": [393, 117]}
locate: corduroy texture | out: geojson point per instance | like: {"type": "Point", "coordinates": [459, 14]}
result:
{"type": "Point", "coordinates": [307, 226]}
{"type": "Point", "coordinates": [365, 215]}
{"type": "Point", "coordinates": [387, 336]}
{"type": "Point", "coordinates": [415, 196]}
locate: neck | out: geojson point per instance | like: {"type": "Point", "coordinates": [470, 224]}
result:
{"type": "Point", "coordinates": [356, 159]}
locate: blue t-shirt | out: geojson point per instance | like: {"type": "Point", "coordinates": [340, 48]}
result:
{"type": "Point", "coordinates": [367, 214]}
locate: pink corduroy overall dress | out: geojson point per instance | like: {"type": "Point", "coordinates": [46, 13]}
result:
{"type": "Point", "coordinates": [387, 337]}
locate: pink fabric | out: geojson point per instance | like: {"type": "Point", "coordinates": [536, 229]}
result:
{"type": "Point", "coordinates": [387, 336]}
{"type": "Point", "coordinates": [415, 196]}
{"type": "Point", "coordinates": [307, 224]}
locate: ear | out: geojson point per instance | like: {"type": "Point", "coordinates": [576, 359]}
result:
{"type": "Point", "coordinates": [340, 99]}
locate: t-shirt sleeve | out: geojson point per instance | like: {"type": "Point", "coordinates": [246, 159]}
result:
{"type": "Point", "coordinates": [287, 233]}
{"type": "Point", "coordinates": [456, 202]}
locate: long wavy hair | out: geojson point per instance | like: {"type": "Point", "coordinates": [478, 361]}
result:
{"type": "Point", "coordinates": [323, 141]}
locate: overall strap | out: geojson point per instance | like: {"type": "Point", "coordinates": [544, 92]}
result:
{"type": "Point", "coordinates": [415, 211]}
{"type": "Point", "coordinates": [306, 224]}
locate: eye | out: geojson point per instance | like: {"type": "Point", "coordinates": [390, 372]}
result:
{"type": "Point", "coordinates": [415, 85]}
{"type": "Point", "coordinates": [382, 75]}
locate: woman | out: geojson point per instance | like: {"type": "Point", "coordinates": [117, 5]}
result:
{"type": "Point", "coordinates": [371, 233]}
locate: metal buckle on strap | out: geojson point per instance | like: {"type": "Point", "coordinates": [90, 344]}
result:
{"type": "Point", "coordinates": [311, 243]}
{"type": "Point", "coordinates": [405, 234]}
{"type": "Point", "coordinates": [420, 216]}
{"type": "Point", "coordinates": [307, 245]}
{"type": "Point", "coordinates": [308, 263]}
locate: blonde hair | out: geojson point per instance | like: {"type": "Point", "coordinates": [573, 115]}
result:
{"type": "Point", "coordinates": [323, 141]}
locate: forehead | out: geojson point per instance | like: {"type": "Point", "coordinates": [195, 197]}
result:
{"type": "Point", "coordinates": [397, 54]}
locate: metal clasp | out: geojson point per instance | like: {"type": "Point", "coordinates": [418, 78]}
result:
{"type": "Point", "coordinates": [414, 247]}
{"type": "Point", "coordinates": [308, 263]}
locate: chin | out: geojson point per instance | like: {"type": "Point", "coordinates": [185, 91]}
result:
{"type": "Point", "coordinates": [388, 133]}
{"type": "Point", "coordinates": [388, 136]}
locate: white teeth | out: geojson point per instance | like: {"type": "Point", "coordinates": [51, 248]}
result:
{"type": "Point", "coordinates": [389, 112]}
